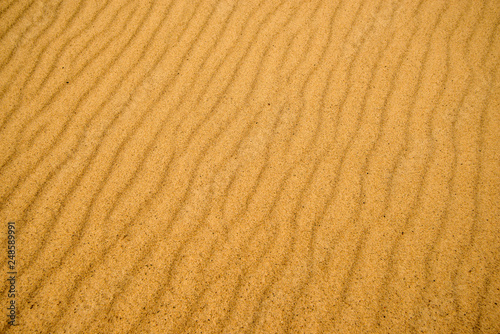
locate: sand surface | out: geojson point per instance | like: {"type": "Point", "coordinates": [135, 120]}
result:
{"type": "Point", "coordinates": [252, 166]}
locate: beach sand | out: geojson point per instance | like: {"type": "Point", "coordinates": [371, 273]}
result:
{"type": "Point", "coordinates": [259, 166]}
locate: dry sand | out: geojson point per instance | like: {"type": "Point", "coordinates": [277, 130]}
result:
{"type": "Point", "coordinates": [224, 166]}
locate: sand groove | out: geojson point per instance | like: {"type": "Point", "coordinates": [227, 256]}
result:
{"type": "Point", "coordinates": [266, 166]}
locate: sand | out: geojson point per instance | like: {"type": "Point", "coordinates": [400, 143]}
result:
{"type": "Point", "coordinates": [259, 166]}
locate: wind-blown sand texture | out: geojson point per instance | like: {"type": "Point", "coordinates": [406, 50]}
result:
{"type": "Point", "coordinates": [264, 166]}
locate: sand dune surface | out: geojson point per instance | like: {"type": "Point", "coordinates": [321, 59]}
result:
{"type": "Point", "coordinates": [259, 166]}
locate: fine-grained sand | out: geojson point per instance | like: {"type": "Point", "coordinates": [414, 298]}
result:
{"type": "Point", "coordinates": [251, 166]}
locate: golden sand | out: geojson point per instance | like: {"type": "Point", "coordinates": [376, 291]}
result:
{"type": "Point", "coordinates": [257, 166]}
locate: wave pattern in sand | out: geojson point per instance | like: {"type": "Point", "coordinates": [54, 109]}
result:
{"type": "Point", "coordinates": [225, 166]}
